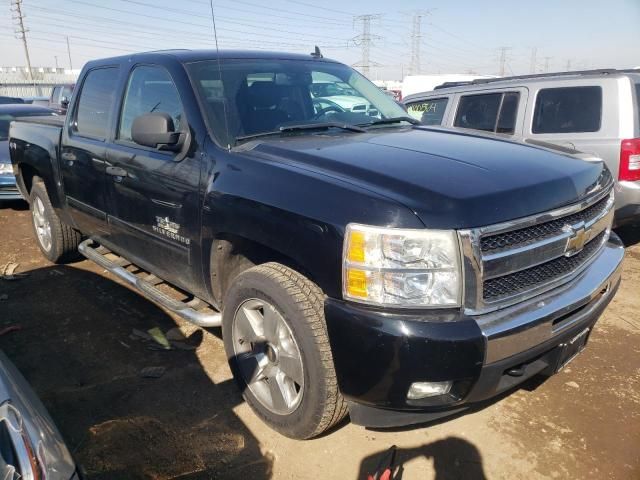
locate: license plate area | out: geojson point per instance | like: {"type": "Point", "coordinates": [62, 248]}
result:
{"type": "Point", "coordinates": [572, 348]}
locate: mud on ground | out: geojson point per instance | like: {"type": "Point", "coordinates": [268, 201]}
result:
{"type": "Point", "coordinates": [76, 348]}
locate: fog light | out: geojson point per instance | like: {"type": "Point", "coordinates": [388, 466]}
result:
{"type": "Point", "coordinates": [420, 390]}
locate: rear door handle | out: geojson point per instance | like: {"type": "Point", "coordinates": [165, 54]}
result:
{"type": "Point", "coordinates": [117, 172]}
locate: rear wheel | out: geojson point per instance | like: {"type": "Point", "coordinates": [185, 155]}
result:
{"type": "Point", "coordinates": [58, 242]}
{"type": "Point", "coordinates": [278, 349]}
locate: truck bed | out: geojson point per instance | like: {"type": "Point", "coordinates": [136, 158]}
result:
{"type": "Point", "coordinates": [53, 120]}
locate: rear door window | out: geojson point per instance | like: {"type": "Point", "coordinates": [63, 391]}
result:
{"type": "Point", "coordinates": [96, 99]}
{"type": "Point", "coordinates": [430, 111]}
{"type": "Point", "coordinates": [490, 112]}
{"type": "Point", "coordinates": [568, 110]}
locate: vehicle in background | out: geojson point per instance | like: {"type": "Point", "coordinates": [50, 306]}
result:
{"type": "Point", "coordinates": [596, 112]}
{"type": "Point", "coordinates": [396, 94]}
{"type": "Point", "coordinates": [412, 84]}
{"type": "Point", "coordinates": [10, 100]}
{"type": "Point", "coordinates": [60, 97]}
{"type": "Point", "coordinates": [340, 97]}
{"type": "Point", "coordinates": [40, 101]}
{"type": "Point", "coordinates": [359, 264]}
{"type": "Point", "coordinates": [31, 447]}
{"type": "Point", "coordinates": [8, 113]}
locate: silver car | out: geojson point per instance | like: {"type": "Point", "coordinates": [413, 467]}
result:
{"type": "Point", "coordinates": [31, 448]}
{"type": "Point", "coordinates": [596, 112]}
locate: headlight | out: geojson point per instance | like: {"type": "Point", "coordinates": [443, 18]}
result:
{"type": "Point", "coordinates": [400, 267]}
{"type": "Point", "coordinates": [6, 169]}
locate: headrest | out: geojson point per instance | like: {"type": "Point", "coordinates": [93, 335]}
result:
{"type": "Point", "coordinates": [264, 94]}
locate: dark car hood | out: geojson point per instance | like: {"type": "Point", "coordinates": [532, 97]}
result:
{"type": "Point", "coordinates": [4, 151]}
{"type": "Point", "coordinates": [449, 179]}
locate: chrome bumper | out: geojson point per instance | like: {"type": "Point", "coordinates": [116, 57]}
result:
{"type": "Point", "coordinates": [521, 327]}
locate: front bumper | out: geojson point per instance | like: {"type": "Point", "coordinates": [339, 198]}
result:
{"type": "Point", "coordinates": [8, 188]}
{"type": "Point", "coordinates": [379, 354]}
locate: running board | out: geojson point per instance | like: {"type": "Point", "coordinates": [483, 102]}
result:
{"type": "Point", "coordinates": [147, 285]}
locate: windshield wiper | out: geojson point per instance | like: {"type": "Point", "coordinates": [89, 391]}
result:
{"type": "Point", "coordinates": [385, 121]}
{"type": "Point", "coordinates": [304, 126]}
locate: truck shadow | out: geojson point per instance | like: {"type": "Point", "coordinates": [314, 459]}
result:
{"type": "Point", "coordinates": [76, 348]}
{"type": "Point", "coordinates": [452, 457]}
{"type": "Point", "coordinates": [629, 234]}
{"type": "Point", "coordinates": [15, 205]}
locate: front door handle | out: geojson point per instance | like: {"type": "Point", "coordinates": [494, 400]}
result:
{"type": "Point", "coordinates": [117, 172]}
{"type": "Point", "coordinates": [69, 157]}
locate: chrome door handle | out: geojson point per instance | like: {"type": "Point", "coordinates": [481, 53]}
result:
{"type": "Point", "coordinates": [69, 157]}
{"type": "Point", "coordinates": [116, 172]}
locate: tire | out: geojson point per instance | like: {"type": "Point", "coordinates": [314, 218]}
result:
{"type": "Point", "coordinates": [300, 304]}
{"type": "Point", "coordinates": [59, 243]}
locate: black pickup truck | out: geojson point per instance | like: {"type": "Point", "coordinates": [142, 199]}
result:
{"type": "Point", "coordinates": [356, 261]}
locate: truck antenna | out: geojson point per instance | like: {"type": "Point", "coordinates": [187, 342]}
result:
{"type": "Point", "coordinates": [317, 53]}
{"type": "Point", "coordinates": [224, 98]}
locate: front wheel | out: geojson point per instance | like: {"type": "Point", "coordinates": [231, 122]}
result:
{"type": "Point", "coordinates": [276, 341]}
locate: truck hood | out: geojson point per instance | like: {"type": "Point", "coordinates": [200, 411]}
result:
{"type": "Point", "coordinates": [449, 179]}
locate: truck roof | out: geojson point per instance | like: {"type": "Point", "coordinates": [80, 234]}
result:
{"type": "Point", "coordinates": [186, 56]}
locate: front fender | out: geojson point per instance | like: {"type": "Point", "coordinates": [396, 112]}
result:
{"type": "Point", "coordinates": [299, 213]}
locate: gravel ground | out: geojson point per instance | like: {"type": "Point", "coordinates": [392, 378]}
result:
{"type": "Point", "coordinates": [76, 348]}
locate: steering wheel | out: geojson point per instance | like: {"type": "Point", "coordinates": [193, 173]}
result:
{"type": "Point", "coordinates": [324, 111]}
{"type": "Point", "coordinates": [332, 107]}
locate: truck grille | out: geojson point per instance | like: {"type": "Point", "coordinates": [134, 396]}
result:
{"type": "Point", "coordinates": [525, 236]}
{"type": "Point", "coordinates": [532, 277]}
{"type": "Point", "coordinates": [507, 263]}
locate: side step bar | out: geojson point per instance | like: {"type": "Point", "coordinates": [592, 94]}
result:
{"type": "Point", "coordinates": [147, 286]}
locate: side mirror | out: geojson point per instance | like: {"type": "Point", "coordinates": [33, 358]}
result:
{"type": "Point", "coordinates": [64, 101]}
{"type": "Point", "coordinates": [155, 130]}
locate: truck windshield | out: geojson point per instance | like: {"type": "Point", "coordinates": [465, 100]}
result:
{"type": "Point", "coordinates": [260, 96]}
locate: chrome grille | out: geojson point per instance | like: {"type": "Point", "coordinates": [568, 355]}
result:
{"type": "Point", "coordinates": [507, 263]}
{"type": "Point", "coordinates": [514, 283]}
{"type": "Point", "coordinates": [525, 236]}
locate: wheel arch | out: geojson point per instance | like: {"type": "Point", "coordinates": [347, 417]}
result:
{"type": "Point", "coordinates": [231, 254]}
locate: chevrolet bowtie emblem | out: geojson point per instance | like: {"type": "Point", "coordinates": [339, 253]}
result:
{"type": "Point", "coordinates": [578, 239]}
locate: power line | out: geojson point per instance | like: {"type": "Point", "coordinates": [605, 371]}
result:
{"type": "Point", "coordinates": [416, 41]}
{"type": "Point", "coordinates": [69, 53]}
{"type": "Point", "coordinates": [113, 31]}
{"type": "Point", "coordinates": [365, 41]}
{"type": "Point", "coordinates": [21, 32]}
{"type": "Point", "coordinates": [194, 14]}
{"type": "Point", "coordinates": [503, 59]}
{"type": "Point", "coordinates": [310, 5]}
{"type": "Point", "coordinates": [533, 64]}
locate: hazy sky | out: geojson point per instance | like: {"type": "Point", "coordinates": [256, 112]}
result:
{"type": "Point", "coordinates": [457, 36]}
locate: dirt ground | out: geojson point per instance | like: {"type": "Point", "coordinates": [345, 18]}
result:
{"type": "Point", "coordinates": [76, 348]}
